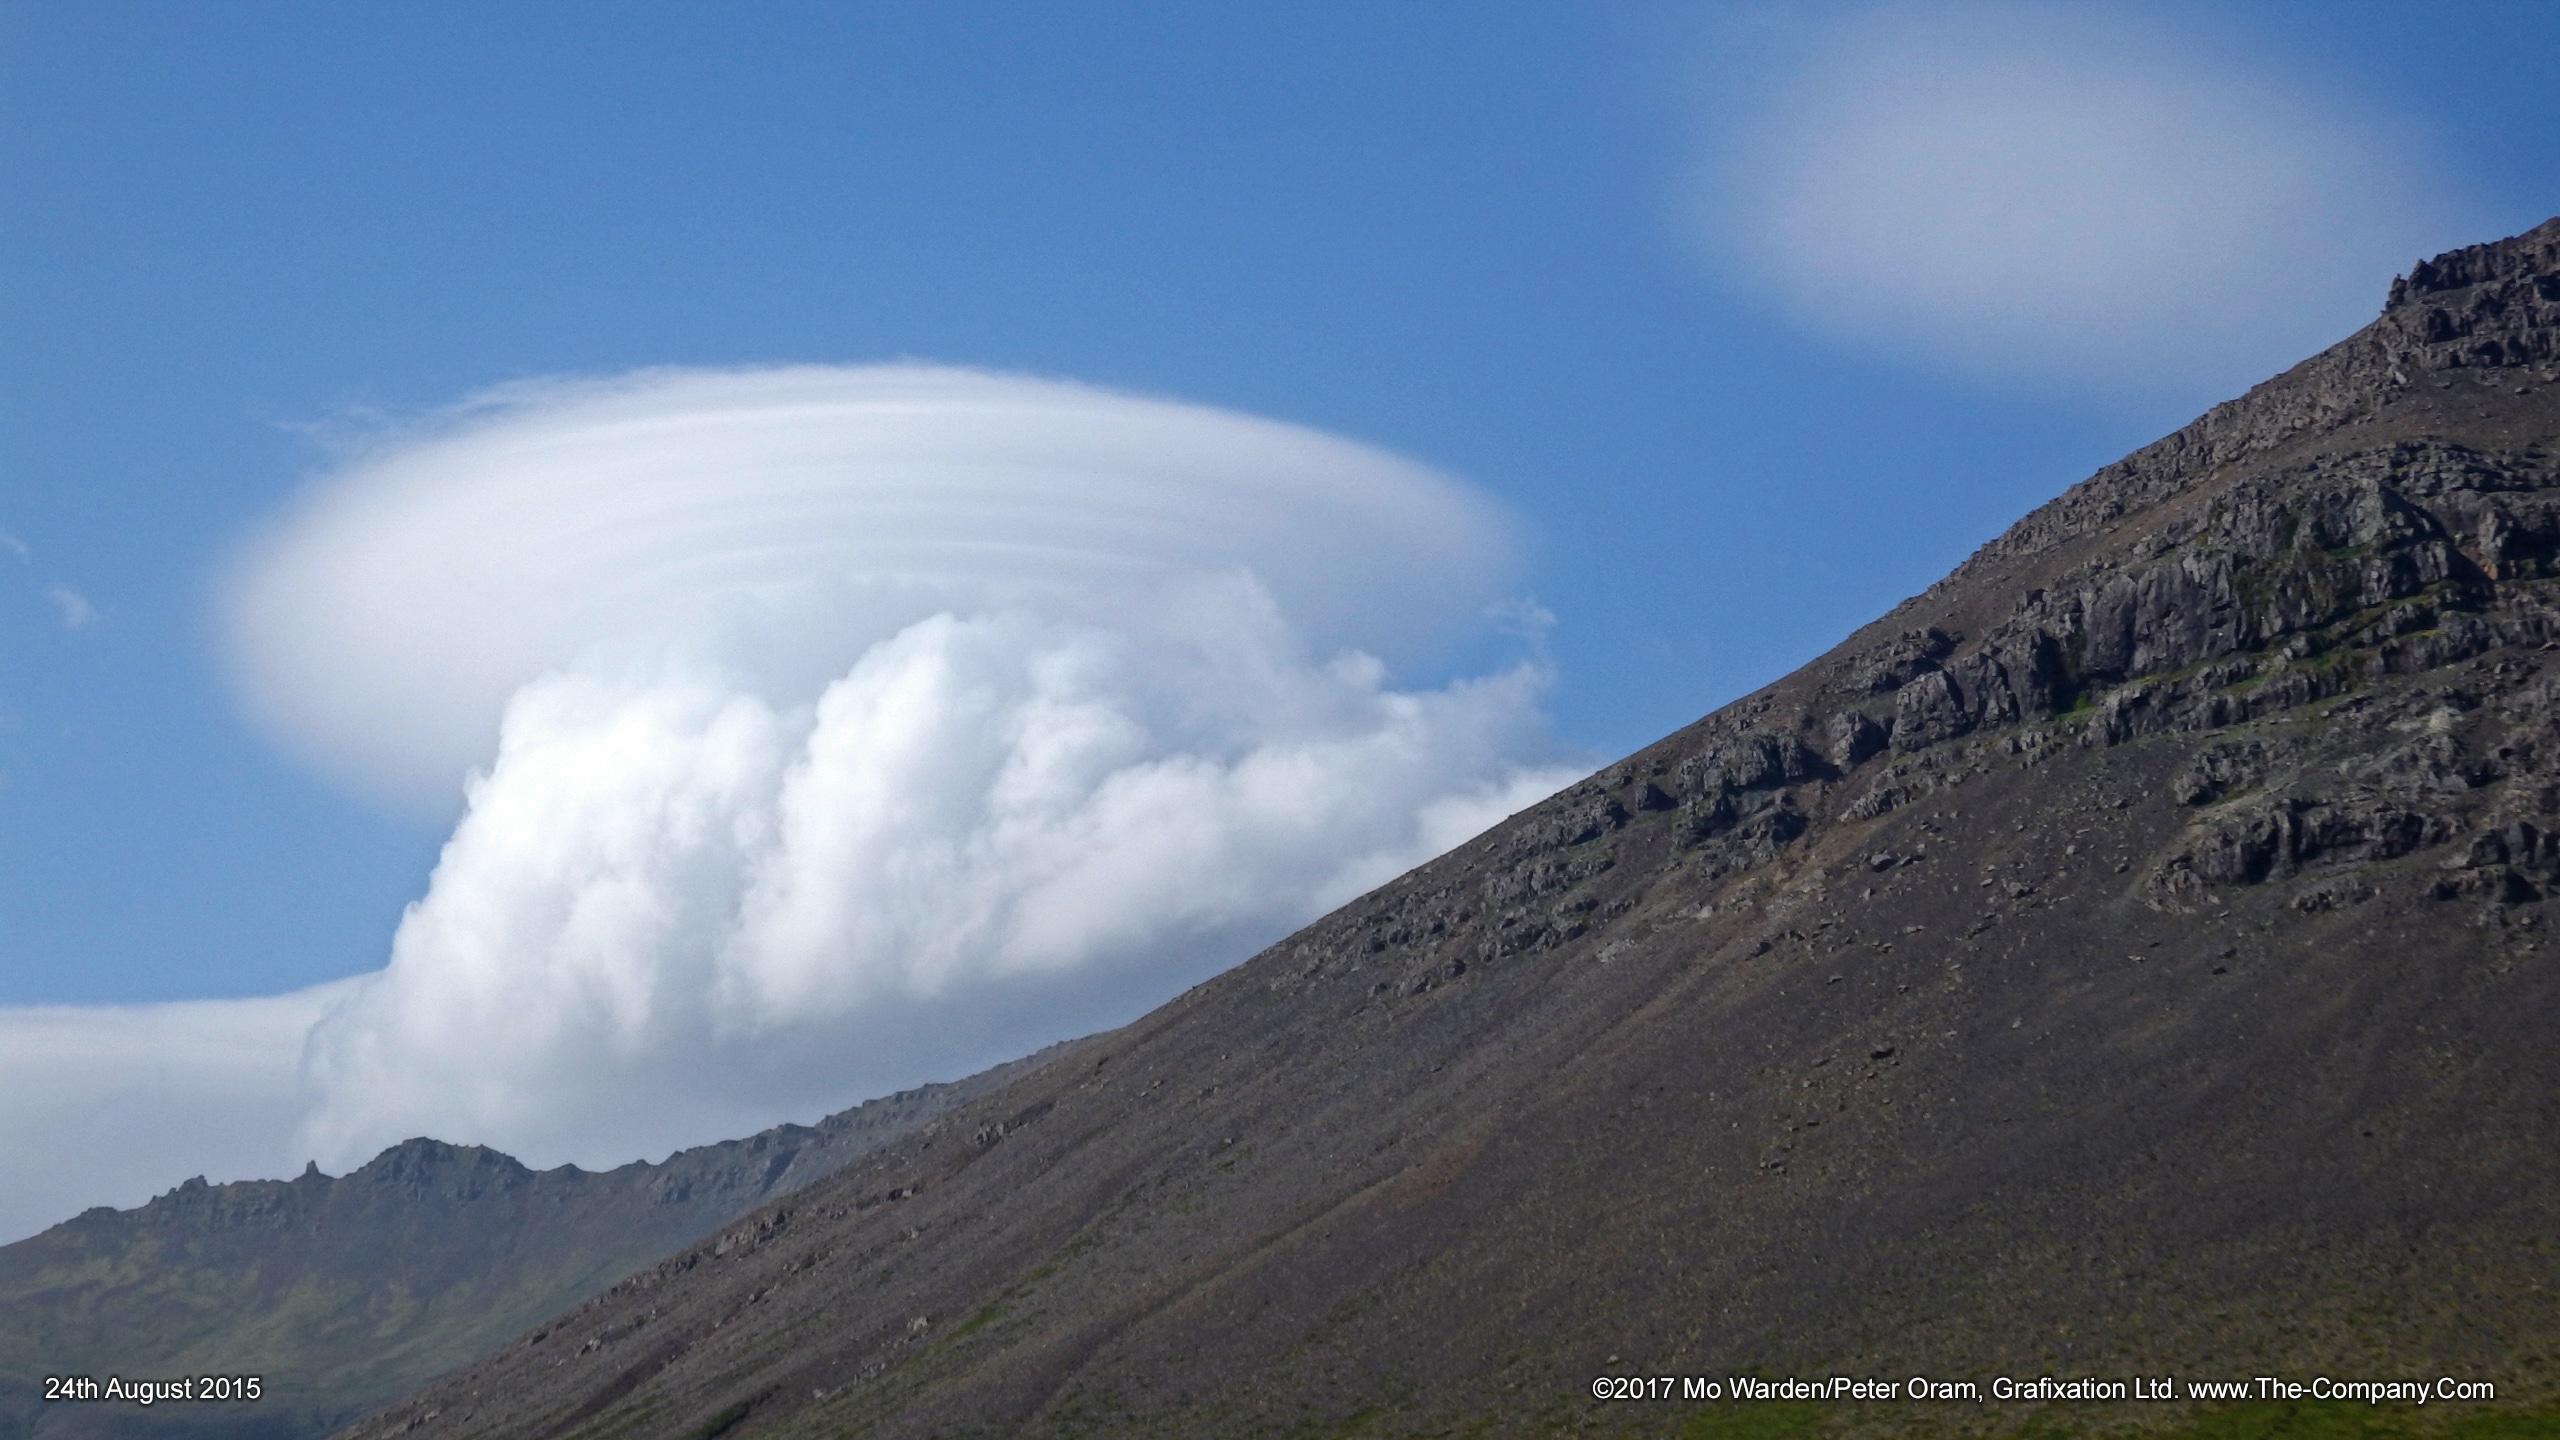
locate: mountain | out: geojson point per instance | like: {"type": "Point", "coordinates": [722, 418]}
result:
{"type": "Point", "coordinates": [2127, 958]}
{"type": "Point", "coordinates": [341, 1293]}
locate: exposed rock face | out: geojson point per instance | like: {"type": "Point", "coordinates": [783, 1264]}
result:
{"type": "Point", "coordinates": [343, 1292]}
{"type": "Point", "coordinates": [2127, 957]}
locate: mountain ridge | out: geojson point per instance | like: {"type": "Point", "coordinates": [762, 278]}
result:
{"type": "Point", "coordinates": [340, 1292]}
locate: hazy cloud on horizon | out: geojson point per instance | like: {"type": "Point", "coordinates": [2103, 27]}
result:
{"type": "Point", "coordinates": [111, 1104]}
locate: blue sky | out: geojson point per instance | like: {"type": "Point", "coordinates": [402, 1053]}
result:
{"type": "Point", "coordinates": [1578, 257]}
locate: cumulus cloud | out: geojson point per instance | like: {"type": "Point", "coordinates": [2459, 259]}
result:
{"type": "Point", "coordinates": [815, 731]}
{"type": "Point", "coordinates": [2061, 195]}
{"type": "Point", "coordinates": [830, 729]}
{"type": "Point", "coordinates": [675, 910]}
{"type": "Point", "coordinates": [108, 1105]}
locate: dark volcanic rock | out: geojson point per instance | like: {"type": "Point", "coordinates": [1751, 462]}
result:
{"type": "Point", "coordinates": [2171, 994]}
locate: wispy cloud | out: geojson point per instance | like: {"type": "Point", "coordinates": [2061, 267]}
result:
{"type": "Point", "coordinates": [75, 609]}
{"type": "Point", "coordinates": [2059, 196]}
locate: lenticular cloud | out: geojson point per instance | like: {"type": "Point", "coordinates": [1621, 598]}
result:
{"type": "Point", "coordinates": [831, 729]}
{"type": "Point", "coordinates": [778, 523]}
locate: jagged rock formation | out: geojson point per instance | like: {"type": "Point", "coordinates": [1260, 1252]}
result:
{"type": "Point", "coordinates": [2127, 957]}
{"type": "Point", "coordinates": [342, 1292]}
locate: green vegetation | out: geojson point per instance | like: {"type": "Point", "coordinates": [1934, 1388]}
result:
{"type": "Point", "coordinates": [1756, 1422]}
{"type": "Point", "coordinates": [2269, 1420]}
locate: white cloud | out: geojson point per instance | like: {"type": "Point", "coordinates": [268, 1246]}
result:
{"type": "Point", "coordinates": [780, 522]}
{"type": "Point", "coordinates": [75, 608]}
{"type": "Point", "coordinates": [837, 729]}
{"type": "Point", "coordinates": [2063, 196]}
{"type": "Point", "coordinates": [14, 545]}
{"type": "Point", "coordinates": [675, 911]}
{"type": "Point", "coordinates": [108, 1105]}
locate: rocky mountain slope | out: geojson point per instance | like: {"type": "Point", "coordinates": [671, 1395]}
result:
{"type": "Point", "coordinates": [2128, 957]}
{"type": "Point", "coordinates": [340, 1293]}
